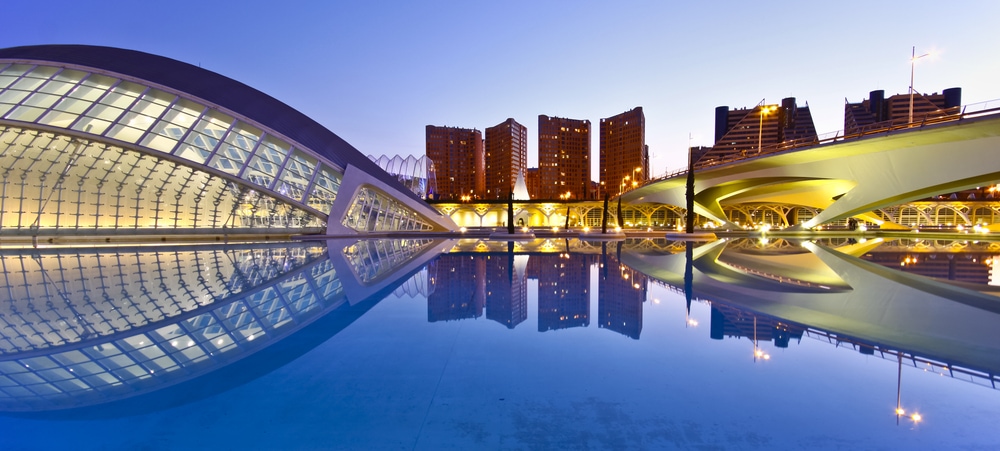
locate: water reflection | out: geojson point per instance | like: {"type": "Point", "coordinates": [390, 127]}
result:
{"type": "Point", "coordinates": [92, 326]}
{"type": "Point", "coordinates": [937, 309]}
{"type": "Point", "coordinates": [86, 327]}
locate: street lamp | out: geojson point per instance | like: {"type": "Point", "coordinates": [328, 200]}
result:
{"type": "Point", "coordinates": [913, 60]}
{"type": "Point", "coordinates": [764, 109]}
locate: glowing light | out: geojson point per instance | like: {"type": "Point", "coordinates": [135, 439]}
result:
{"type": "Point", "coordinates": [463, 230]}
{"type": "Point", "coordinates": [916, 417]}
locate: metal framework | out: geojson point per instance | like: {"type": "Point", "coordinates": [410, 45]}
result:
{"type": "Point", "coordinates": [90, 151]}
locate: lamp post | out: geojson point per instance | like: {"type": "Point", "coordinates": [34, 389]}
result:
{"type": "Point", "coordinates": [913, 60]}
{"type": "Point", "coordinates": [764, 109]}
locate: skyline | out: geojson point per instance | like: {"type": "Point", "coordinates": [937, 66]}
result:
{"type": "Point", "coordinates": [377, 74]}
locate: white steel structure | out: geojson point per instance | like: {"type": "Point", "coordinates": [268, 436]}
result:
{"type": "Point", "coordinates": [106, 141]}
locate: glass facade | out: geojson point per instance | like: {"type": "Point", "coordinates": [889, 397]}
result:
{"type": "Point", "coordinates": [374, 211]}
{"type": "Point", "coordinates": [128, 144]}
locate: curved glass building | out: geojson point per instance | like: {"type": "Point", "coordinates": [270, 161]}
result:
{"type": "Point", "coordinates": [106, 141]}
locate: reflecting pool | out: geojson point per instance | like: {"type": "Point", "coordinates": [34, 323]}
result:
{"type": "Point", "coordinates": [469, 344]}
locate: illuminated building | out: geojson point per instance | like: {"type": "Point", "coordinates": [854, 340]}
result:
{"type": "Point", "coordinates": [563, 157]}
{"type": "Point", "coordinates": [533, 182]}
{"type": "Point", "coordinates": [138, 144]}
{"type": "Point", "coordinates": [877, 111]}
{"type": "Point", "coordinates": [746, 132]}
{"type": "Point", "coordinates": [506, 158]}
{"type": "Point", "coordinates": [457, 154]}
{"type": "Point", "coordinates": [624, 153]}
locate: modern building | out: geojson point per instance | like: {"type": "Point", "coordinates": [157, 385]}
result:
{"type": "Point", "coordinates": [877, 111]}
{"type": "Point", "coordinates": [624, 153]}
{"type": "Point", "coordinates": [459, 164]}
{"type": "Point", "coordinates": [416, 174]}
{"type": "Point", "coordinates": [506, 158]}
{"type": "Point", "coordinates": [139, 144]}
{"type": "Point", "coordinates": [533, 181]}
{"type": "Point", "coordinates": [563, 157]}
{"type": "Point", "coordinates": [747, 132]}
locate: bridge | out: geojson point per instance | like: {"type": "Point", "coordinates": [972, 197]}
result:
{"type": "Point", "coordinates": [844, 177]}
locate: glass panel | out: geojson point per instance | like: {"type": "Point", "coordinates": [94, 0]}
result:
{"type": "Point", "coordinates": [27, 84]}
{"type": "Point", "coordinates": [12, 72]}
{"type": "Point", "coordinates": [324, 191]}
{"type": "Point", "coordinates": [90, 94]}
{"type": "Point", "coordinates": [204, 136]}
{"type": "Point", "coordinates": [105, 112]}
{"type": "Point", "coordinates": [123, 95]}
{"type": "Point", "coordinates": [64, 112]}
{"type": "Point", "coordinates": [57, 87]}
{"type": "Point", "coordinates": [12, 97]}
{"type": "Point", "coordinates": [265, 163]}
{"type": "Point", "coordinates": [236, 148]}
{"type": "Point", "coordinates": [41, 100]}
{"type": "Point", "coordinates": [153, 103]}
{"type": "Point", "coordinates": [298, 172]}
{"type": "Point", "coordinates": [43, 72]}
{"type": "Point", "coordinates": [175, 122]}
{"type": "Point", "coordinates": [134, 126]}
{"type": "Point", "coordinates": [70, 76]}
{"type": "Point", "coordinates": [100, 81]}
{"type": "Point", "coordinates": [91, 125]}
{"type": "Point", "coordinates": [25, 113]}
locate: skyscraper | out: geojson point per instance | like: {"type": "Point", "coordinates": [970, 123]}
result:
{"type": "Point", "coordinates": [506, 157]}
{"type": "Point", "coordinates": [563, 157]}
{"type": "Point", "coordinates": [624, 154]}
{"type": "Point", "coordinates": [457, 157]}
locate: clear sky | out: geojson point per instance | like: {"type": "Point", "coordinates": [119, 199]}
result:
{"type": "Point", "coordinates": [377, 72]}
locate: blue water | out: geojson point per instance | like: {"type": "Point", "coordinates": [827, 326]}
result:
{"type": "Point", "coordinates": [410, 370]}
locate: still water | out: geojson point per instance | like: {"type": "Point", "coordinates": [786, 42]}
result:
{"type": "Point", "coordinates": [547, 344]}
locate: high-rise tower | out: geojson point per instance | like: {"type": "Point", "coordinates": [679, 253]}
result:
{"type": "Point", "coordinates": [563, 157]}
{"type": "Point", "coordinates": [506, 157]}
{"type": "Point", "coordinates": [457, 156]}
{"type": "Point", "coordinates": [624, 154]}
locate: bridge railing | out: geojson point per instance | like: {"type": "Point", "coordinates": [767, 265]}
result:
{"type": "Point", "coordinates": [880, 128]}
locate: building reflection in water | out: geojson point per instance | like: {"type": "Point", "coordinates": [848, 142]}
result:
{"type": "Point", "coordinates": [622, 291]}
{"type": "Point", "coordinates": [84, 327]}
{"type": "Point", "coordinates": [563, 289]}
{"type": "Point", "coordinates": [87, 327]}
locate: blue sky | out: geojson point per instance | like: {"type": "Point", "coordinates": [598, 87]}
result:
{"type": "Point", "coordinates": [377, 72]}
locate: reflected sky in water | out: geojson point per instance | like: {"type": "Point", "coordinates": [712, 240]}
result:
{"type": "Point", "coordinates": [636, 344]}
